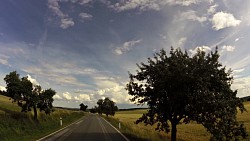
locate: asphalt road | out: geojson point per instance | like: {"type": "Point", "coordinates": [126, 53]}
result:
{"type": "Point", "coordinates": [91, 128]}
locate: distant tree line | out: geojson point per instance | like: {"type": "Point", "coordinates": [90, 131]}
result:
{"type": "Point", "coordinates": [27, 95]}
{"type": "Point", "coordinates": [246, 98]}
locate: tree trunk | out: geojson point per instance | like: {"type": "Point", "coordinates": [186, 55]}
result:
{"type": "Point", "coordinates": [35, 113]}
{"type": "Point", "coordinates": [173, 130]}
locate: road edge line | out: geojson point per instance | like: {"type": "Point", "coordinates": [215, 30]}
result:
{"type": "Point", "coordinates": [59, 130]}
{"type": "Point", "coordinates": [117, 130]}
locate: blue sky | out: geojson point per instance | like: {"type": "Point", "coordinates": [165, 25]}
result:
{"type": "Point", "coordinates": [84, 48]}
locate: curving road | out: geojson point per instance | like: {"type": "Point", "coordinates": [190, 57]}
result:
{"type": "Point", "coordinates": [90, 128]}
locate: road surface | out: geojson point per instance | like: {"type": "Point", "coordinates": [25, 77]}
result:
{"type": "Point", "coordinates": [91, 128]}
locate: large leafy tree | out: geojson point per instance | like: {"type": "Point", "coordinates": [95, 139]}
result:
{"type": "Point", "coordinates": [181, 88]}
{"type": "Point", "coordinates": [27, 95]}
{"type": "Point", "coordinates": [106, 106]}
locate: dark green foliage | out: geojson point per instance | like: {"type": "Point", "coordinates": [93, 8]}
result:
{"type": "Point", "coordinates": [179, 88]}
{"type": "Point", "coordinates": [28, 96]}
{"type": "Point", "coordinates": [106, 106]}
{"type": "Point", "coordinates": [93, 110]}
{"type": "Point", "coordinates": [83, 107]}
{"type": "Point", "coordinates": [45, 100]}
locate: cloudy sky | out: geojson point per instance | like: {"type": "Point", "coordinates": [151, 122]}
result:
{"type": "Point", "coordinates": [84, 48]}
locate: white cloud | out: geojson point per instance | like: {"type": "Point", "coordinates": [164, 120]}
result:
{"type": "Point", "coordinates": [2, 88]}
{"type": "Point", "coordinates": [212, 9]}
{"type": "Point", "coordinates": [222, 20]}
{"type": "Point", "coordinates": [202, 48]}
{"type": "Point", "coordinates": [191, 15]}
{"type": "Point", "coordinates": [84, 97]}
{"type": "Point", "coordinates": [228, 48]}
{"type": "Point", "coordinates": [32, 80]}
{"type": "Point", "coordinates": [54, 6]}
{"type": "Point", "coordinates": [82, 2]}
{"type": "Point", "coordinates": [85, 16]}
{"type": "Point", "coordinates": [132, 4]}
{"type": "Point", "coordinates": [57, 97]}
{"type": "Point", "coordinates": [126, 47]}
{"type": "Point", "coordinates": [242, 85]}
{"type": "Point", "coordinates": [144, 5]}
{"type": "Point", "coordinates": [66, 22]}
{"type": "Point", "coordinates": [67, 96]}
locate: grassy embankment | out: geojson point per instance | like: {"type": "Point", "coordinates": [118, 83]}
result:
{"type": "Point", "coordinates": [17, 126]}
{"type": "Point", "coordinates": [185, 132]}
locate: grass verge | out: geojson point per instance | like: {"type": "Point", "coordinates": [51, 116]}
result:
{"type": "Point", "coordinates": [17, 126]}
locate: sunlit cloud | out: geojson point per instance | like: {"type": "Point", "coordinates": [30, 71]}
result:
{"type": "Point", "coordinates": [67, 96]}
{"type": "Point", "coordinates": [222, 20]}
{"type": "Point", "coordinates": [85, 17]}
{"type": "Point", "coordinates": [32, 80]}
{"type": "Point", "coordinates": [127, 46]}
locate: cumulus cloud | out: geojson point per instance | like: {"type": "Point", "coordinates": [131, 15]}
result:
{"type": "Point", "coordinates": [212, 9]}
{"type": "Point", "coordinates": [32, 80]}
{"type": "Point", "coordinates": [54, 6]}
{"type": "Point", "coordinates": [222, 20]}
{"type": "Point", "coordinates": [228, 48]}
{"type": "Point", "coordinates": [84, 97]}
{"type": "Point", "coordinates": [2, 88]}
{"type": "Point", "coordinates": [202, 48]}
{"type": "Point", "coordinates": [67, 96]}
{"type": "Point", "coordinates": [57, 97]}
{"type": "Point", "coordinates": [65, 21]}
{"type": "Point", "coordinates": [85, 16]}
{"type": "Point", "coordinates": [132, 4]}
{"type": "Point", "coordinates": [126, 47]}
{"type": "Point", "coordinates": [191, 15]}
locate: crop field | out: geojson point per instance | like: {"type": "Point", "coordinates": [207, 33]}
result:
{"type": "Point", "coordinates": [185, 132]}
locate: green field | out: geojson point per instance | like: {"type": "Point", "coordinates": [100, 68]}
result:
{"type": "Point", "coordinates": [185, 132]}
{"type": "Point", "coordinates": [17, 126]}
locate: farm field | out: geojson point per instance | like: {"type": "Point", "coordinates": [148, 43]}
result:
{"type": "Point", "coordinates": [185, 132]}
{"type": "Point", "coordinates": [17, 126]}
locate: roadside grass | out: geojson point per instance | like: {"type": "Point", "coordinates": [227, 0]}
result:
{"type": "Point", "coordinates": [185, 132]}
{"type": "Point", "coordinates": [18, 126]}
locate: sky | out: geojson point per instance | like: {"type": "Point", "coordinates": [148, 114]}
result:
{"type": "Point", "coordinates": [84, 49]}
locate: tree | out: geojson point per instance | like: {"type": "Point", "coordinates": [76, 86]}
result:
{"type": "Point", "coordinates": [83, 107]}
{"type": "Point", "coordinates": [28, 96]}
{"type": "Point", "coordinates": [106, 106]}
{"type": "Point", "coordinates": [179, 88]}
{"type": "Point", "coordinates": [46, 100]}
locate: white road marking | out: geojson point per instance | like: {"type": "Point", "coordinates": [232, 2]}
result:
{"type": "Point", "coordinates": [116, 130]}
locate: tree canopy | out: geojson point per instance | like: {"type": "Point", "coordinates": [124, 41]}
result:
{"type": "Point", "coordinates": [27, 95]}
{"type": "Point", "coordinates": [106, 106]}
{"type": "Point", "coordinates": [83, 107]}
{"type": "Point", "coordinates": [181, 88]}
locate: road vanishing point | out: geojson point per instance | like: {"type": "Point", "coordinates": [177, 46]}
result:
{"type": "Point", "coordinates": [90, 128]}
